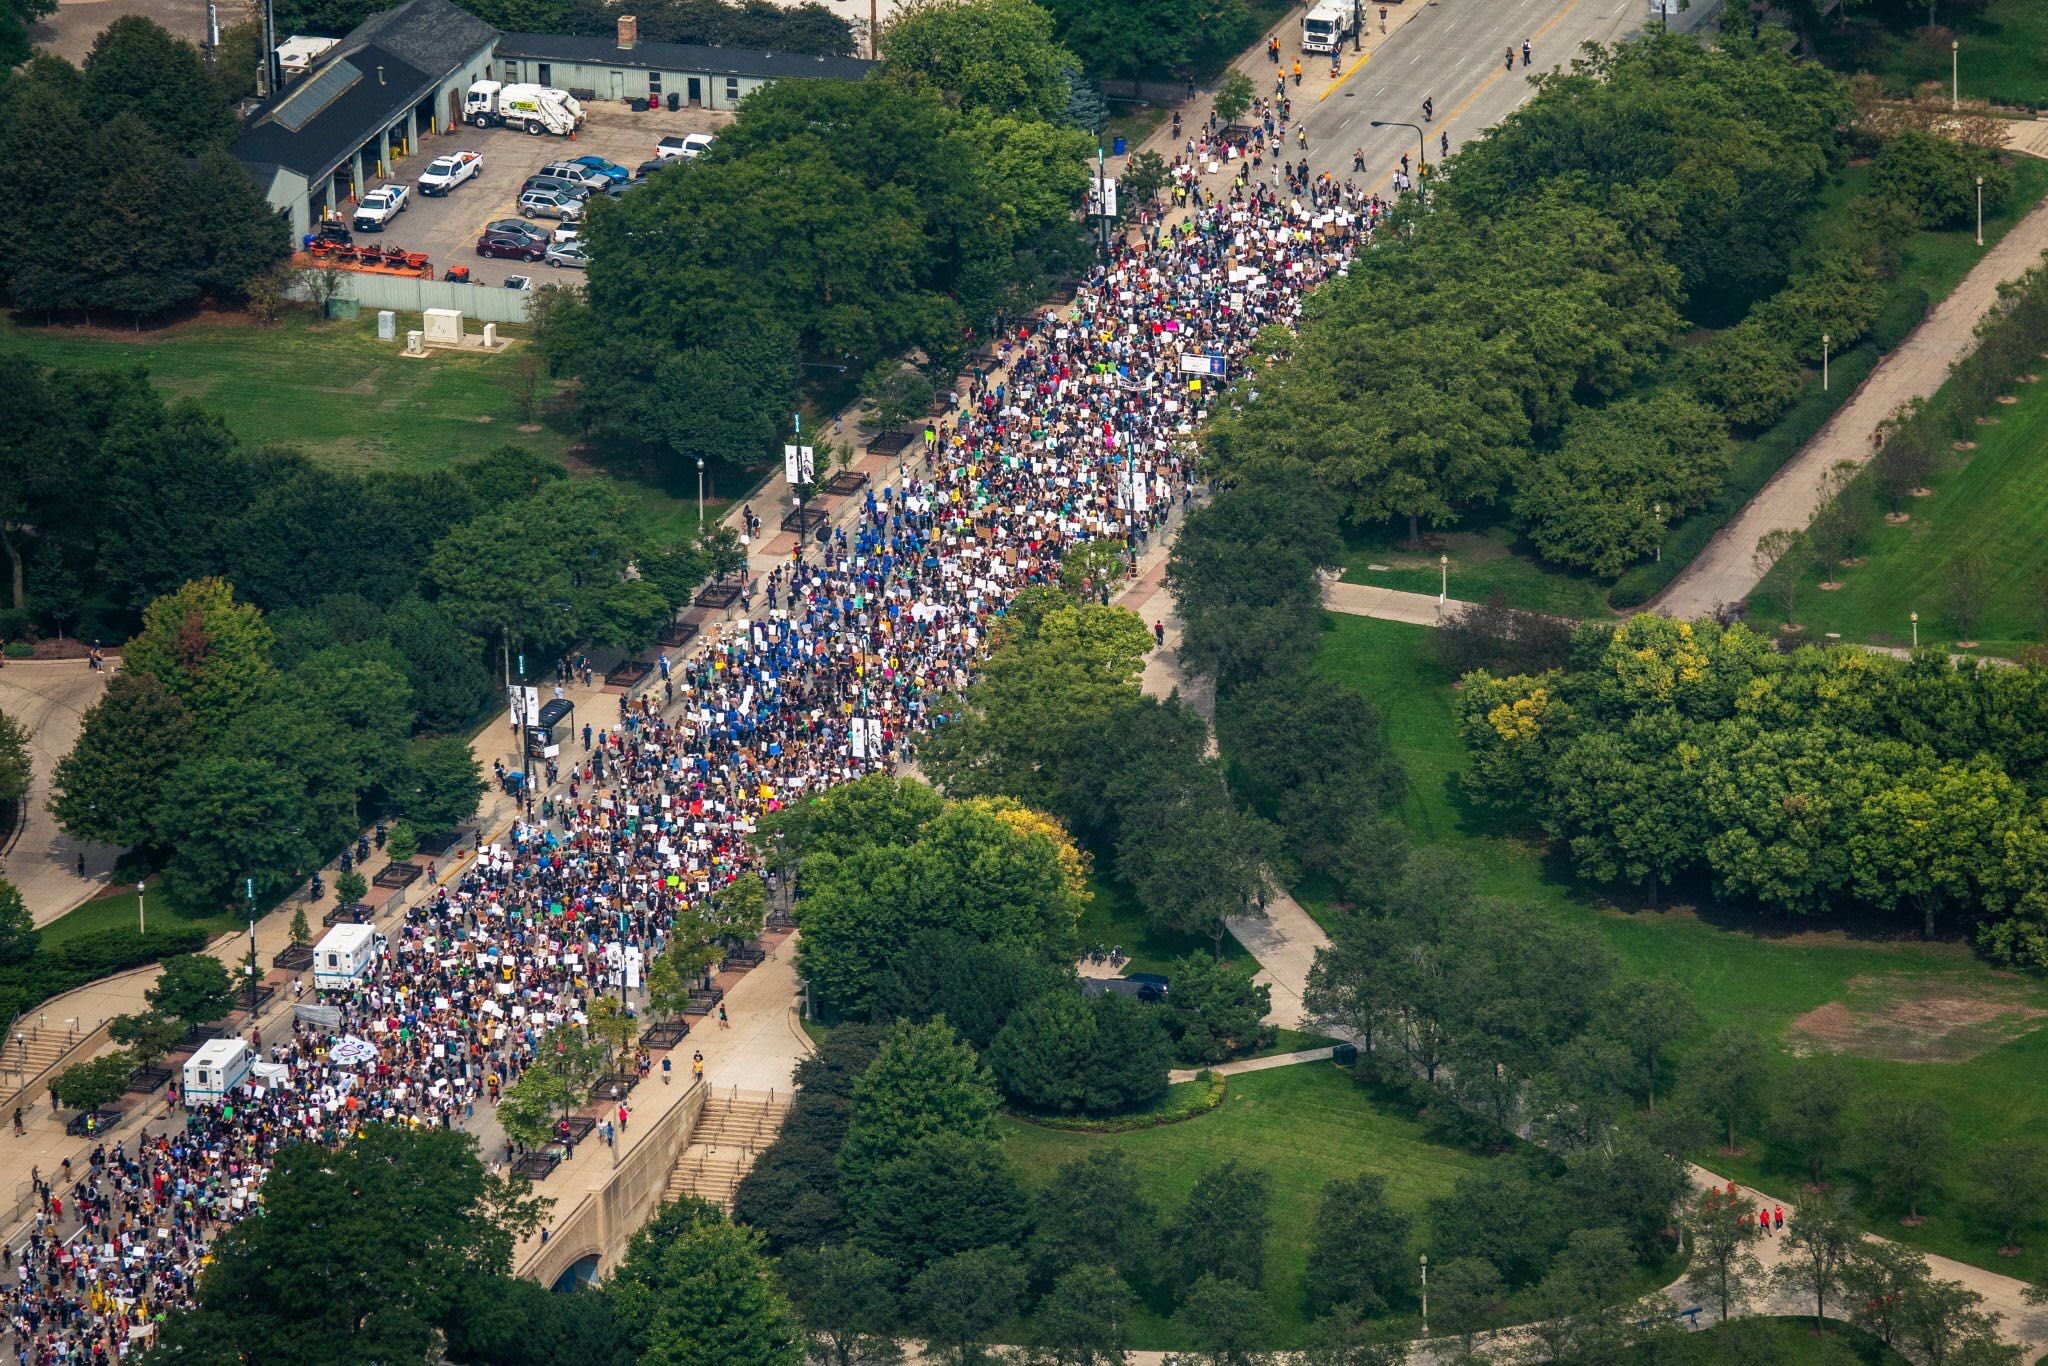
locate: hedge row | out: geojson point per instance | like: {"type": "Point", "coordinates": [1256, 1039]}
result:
{"type": "Point", "coordinates": [71, 965]}
{"type": "Point", "coordinates": [1185, 1101]}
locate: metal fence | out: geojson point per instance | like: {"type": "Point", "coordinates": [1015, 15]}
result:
{"type": "Point", "coordinates": [405, 294]}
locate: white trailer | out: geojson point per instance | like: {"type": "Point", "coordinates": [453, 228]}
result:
{"type": "Point", "coordinates": [213, 1073]}
{"type": "Point", "coordinates": [1329, 25]}
{"type": "Point", "coordinates": [536, 108]}
{"type": "Point", "coordinates": [343, 958]}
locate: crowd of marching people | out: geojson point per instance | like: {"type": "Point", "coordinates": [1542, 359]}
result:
{"type": "Point", "coordinates": [1077, 428]}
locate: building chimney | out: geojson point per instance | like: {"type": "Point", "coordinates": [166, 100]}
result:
{"type": "Point", "coordinates": [629, 32]}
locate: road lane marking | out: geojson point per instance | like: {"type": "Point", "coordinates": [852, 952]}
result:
{"type": "Point", "coordinates": [1362, 60]}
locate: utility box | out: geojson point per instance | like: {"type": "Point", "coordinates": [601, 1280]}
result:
{"type": "Point", "coordinates": [213, 1073]}
{"type": "Point", "coordinates": [443, 326]}
{"type": "Point", "coordinates": [387, 325]}
{"type": "Point", "coordinates": [343, 958]}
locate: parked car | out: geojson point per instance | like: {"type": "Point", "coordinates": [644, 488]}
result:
{"type": "Point", "coordinates": [610, 170]}
{"type": "Point", "coordinates": [505, 247]}
{"type": "Point", "coordinates": [623, 188]}
{"type": "Point", "coordinates": [688, 146]}
{"type": "Point", "coordinates": [569, 254]}
{"type": "Point", "coordinates": [573, 189]}
{"type": "Point", "coordinates": [565, 232]}
{"type": "Point", "coordinates": [445, 173]}
{"type": "Point", "coordinates": [550, 204]}
{"type": "Point", "coordinates": [519, 227]}
{"type": "Point", "coordinates": [576, 173]}
{"type": "Point", "coordinates": [375, 210]}
{"type": "Point", "coordinates": [519, 282]}
{"type": "Point", "coordinates": [649, 167]}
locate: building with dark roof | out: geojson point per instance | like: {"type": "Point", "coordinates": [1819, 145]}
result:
{"type": "Point", "coordinates": [401, 74]}
{"type": "Point", "coordinates": [620, 67]}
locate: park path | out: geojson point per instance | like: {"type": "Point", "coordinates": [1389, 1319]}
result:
{"type": "Point", "coordinates": [1725, 571]}
{"type": "Point", "coordinates": [49, 698]}
{"type": "Point", "coordinates": [1244, 1065]}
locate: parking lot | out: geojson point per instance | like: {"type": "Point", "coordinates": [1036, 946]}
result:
{"type": "Point", "coordinates": [447, 228]}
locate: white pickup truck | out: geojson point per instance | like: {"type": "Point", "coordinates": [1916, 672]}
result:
{"type": "Point", "coordinates": [445, 173]}
{"type": "Point", "coordinates": [377, 208]}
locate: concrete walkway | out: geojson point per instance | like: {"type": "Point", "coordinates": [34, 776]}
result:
{"type": "Point", "coordinates": [49, 697]}
{"type": "Point", "coordinates": [1244, 1065]}
{"type": "Point", "coordinates": [1725, 572]}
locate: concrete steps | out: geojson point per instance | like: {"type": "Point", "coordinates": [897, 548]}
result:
{"type": "Point", "coordinates": [728, 1135]}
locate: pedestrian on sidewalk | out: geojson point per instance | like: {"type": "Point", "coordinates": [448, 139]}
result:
{"type": "Point", "coordinates": [723, 1023]}
{"type": "Point", "coordinates": [1777, 1217]}
{"type": "Point", "coordinates": [664, 1069]}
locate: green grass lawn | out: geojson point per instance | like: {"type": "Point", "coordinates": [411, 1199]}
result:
{"type": "Point", "coordinates": [349, 401]}
{"type": "Point", "coordinates": [1992, 502]}
{"type": "Point", "coordinates": [1304, 1127]}
{"type": "Point", "coordinates": [1115, 920]}
{"type": "Point", "coordinates": [1763, 972]}
{"type": "Point", "coordinates": [2003, 56]}
{"type": "Point", "coordinates": [117, 911]}
{"type": "Point", "coordinates": [1484, 560]}
{"type": "Point", "coordinates": [1781, 1341]}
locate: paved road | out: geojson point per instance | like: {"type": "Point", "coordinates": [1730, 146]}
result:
{"type": "Point", "coordinates": [1450, 51]}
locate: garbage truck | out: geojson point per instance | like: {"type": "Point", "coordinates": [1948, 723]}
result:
{"type": "Point", "coordinates": [536, 108]}
{"type": "Point", "coordinates": [1329, 25]}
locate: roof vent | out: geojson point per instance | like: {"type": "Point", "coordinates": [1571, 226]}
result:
{"type": "Point", "coordinates": [380, 75]}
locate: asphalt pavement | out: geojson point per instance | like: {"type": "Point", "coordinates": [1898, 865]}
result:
{"type": "Point", "coordinates": [1451, 53]}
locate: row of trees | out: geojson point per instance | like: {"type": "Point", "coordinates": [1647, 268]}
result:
{"type": "Point", "coordinates": [847, 221]}
{"type": "Point", "coordinates": [1917, 439]}
{"type": "Point", "coordinates": [206, 753]}
{"type": "Point", "coordinates": [1797, 782]}
{"type": "Point", "coordinates": [810, 27]}
{"type": "Point", "coordinates": [1572, 247]}
{"type": "Point", "coordinates": [117, 190]}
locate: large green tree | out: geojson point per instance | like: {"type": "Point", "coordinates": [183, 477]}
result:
{"type": "Point", "coordinates": [695, 1290]}
{"type": "Point", "coordinates": [378, 1243]}
{"type": "Point", "coordinates": [209, 651]}
{"type": "Point", "coordinates": [924, 1083]}
{"type": "Point", "coordinates": [137, 67]}
{"type": "Point", "coordinates": [991, 56]}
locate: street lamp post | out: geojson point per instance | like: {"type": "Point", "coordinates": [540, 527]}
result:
{"type": "Point", "coordinates": [1955, 77]}
{"type": "Point", "coordinates": [700, 490]}
{"type": "Point", "coordinates": [1425, 1294]}
{"type": "Point", "coordinates": [141, 911]}
{"type": "Point", "coordinates": [1443, 592]}
{"type": "Point", "coordinates": [1980, 211]}
{"type": "Point", "coordinates": [1421, 147]}
{"type": "Point", "coordinates": [1657, 512]}
{"type": "Point", "coordinates": [1825, 341]}
{"type": "Point", "coordinates": [1916, 628]}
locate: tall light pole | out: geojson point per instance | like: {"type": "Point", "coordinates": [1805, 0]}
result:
{"type": "Point", "coordinates": [141, 911]}
{"type": "Point", "coordinates": [1980, 211]}
{"type": "Point", "coordinates": [1916, 628]}
{"type": "Point", "coordinates": [700, 490]}
{"type": "Point", "coordinates": [1955, 77]}
{"type": "Point", "coordinates": [1657, 512]}
{"type": "Point", "coordinates": [1421, 147]}
{"type": "Point", "coordinates": [1825, 341]}
{"type": "Point", "coordinates": [1443, 592]}
{"type": "Point", "coordinates": [1425, 1294]}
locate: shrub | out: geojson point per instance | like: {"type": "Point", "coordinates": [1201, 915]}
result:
{"type": "Point", "coordinates": [1901, 313]}
{"type": "Point", "coordinates": [85, 959]}
{"type": "Point", "coordinates": [403, 843]}
{"type": "Point", "coordinates": [1749, 374]}
{"type": "Point", "coordinates": [1938, 177]}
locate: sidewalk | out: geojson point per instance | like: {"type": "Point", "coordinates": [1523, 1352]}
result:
{"type": "Point", "coordinates": [49, 698]}
{"type": "Point", "coordinates": [1725, 571]}
{"type": "Point", "coordinates": [1244, 1065]}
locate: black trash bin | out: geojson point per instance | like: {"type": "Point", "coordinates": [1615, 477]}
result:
{"type": "Point", "coordinates": [675, 101]}
{"type": "Point", "coordinates": [1345, 1055]}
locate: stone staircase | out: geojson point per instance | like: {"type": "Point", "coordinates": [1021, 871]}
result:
{"type": "Point", "coordinates": [730, 1133]}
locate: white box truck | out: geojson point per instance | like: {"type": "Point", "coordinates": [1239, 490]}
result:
{"type": "Point", "coordinates": [213, 1073]}
{"type": "Point", "coordinates": [343, 957]}
{"type": "Point", "coordinates": [536, 108]}
{"type": "Point", "coordinates": [1329, 26]}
